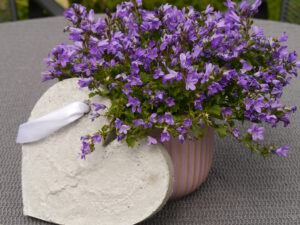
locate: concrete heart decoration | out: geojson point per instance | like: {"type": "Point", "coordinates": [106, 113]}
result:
{"type": "Point", "coordinates": [115, 185]}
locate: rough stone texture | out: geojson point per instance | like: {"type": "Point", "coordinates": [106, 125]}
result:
{"type": "Point", "coordinates": [115, 185]}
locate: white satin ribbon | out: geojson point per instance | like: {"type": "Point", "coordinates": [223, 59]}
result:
{"type": "Point", "coordinates": [37, 129]}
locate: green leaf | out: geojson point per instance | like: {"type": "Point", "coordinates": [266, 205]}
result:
{"type": "Point", "coordinates": [251, 42]}
{"type": "Point", "coordinates": [92, 94]}
{"type": "Point", "coordinates": [222, 131]}
{"type": "Point", "coordinates": [130, 141]}
{"type": "Point", "coordinates": [104, 128]}
{"type": "Point", "coordinates": [160, 110]}
{"type": "Point", "coordinates": [145, 77]}
{"type": "Point", "coordinates": [196, 130]}
{"type": "Point", "coordinates": [214, 109]}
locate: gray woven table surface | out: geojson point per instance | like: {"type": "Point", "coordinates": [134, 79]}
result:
{"type": "Point", "coordinates": [240, 189]}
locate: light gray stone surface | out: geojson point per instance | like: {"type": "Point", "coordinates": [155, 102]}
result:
{"type": "Point", "coordinates": [241, 189]}
{"type": "Point", "coordinates": [115, 185]}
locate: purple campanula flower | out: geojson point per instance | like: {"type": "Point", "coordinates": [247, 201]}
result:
{"type": "Point", "coordinates": [85, 82]}
{"type": "Point", "coordinates": [209, 9]}
{"type": "Point", "coordinates": [183, 60]}
{"type": "Point", "coordinates": [99, 26]}
{"type": "Point", "coordinates": [139, 3]}
{"type": "Point", "coordinates": [294, 108]}
{"type": "Point", "coordinates": [127, 89]}
{"type": "Point", "coordinates": [161, 119]}
{"type": "Point", "coordinates": [153, 118]}
{"type": "Point", "coordinates": [158, 74]}
{"type": "Point", "coordinates": [151, 141]}
{"type": "Point", "coordinates": [91, 16]}
{"type": "Point", "coordinates": [196, 51]}
{"type": "Point", "coordinates": [264, 87]}
{"type": "Point", "coordinates": [199, 100]}
{"type": "Point", "coordinates": [159, 96]}
{"type": "Point", "coordinates": [71, 15]}
{"type": "Point", "coordinates": [235, 132]}
{"type": "Point", "coordinates": [150, 22]}
{"type": "Point", "coordinates": [170, 101]}
{"type": "Point", "coordinates": [83, 138]}
{"type": "Point", "coordinates": [172, 75]}
{"type": "Point", "coordinates": [282, 151]}
{"type": "Point", "coordinates": [188, 122]}
{"type": "Point", "coordinates": [256, 132]}
{"type": "Point", "coordinates": [190, 82]}
{"type": "Point", "coordinates": [230, 4]}
{"type": "Point", "coordinates": [98, 106]}
{"type": "Point", "coordinates": [181, 138]}
{"type": "Point", "coordinates": [79, 9]}
{"type": "Point", "coordinates": [271, 119]}
{"type": "Point", "coordinates": [283, 37]}
{"type": "Point", "coordinates": [179, 76]}
{"type": "Point", "coordinates": [47, 75]}
{"type": "Point", "coordinates": [102, 43]}
{"type": "Point", "coordinates": [165, 136]}
{"type": "Point", "coordinates": [246, 66]}
{"type": "Point", "coordinates": [138, 122]}
{"type": "Point", "coordinates": [134, 103]}
{"type": "Point", "coordinates": [181, 130]}
{"type": "Point", "coordinates": [255, 5]}
{"type": "Point", "coordinates": [226, 111]}
{"type": "Point", "coordinates": [248, 103]}
{"type": "Point", "coordinates": [122, 76]}
{"type": "Point", "coordinates": [94, 116]}
{"type": "Point", "coordinates": [135, 67]}
{"type": "Point", "coordinates": [134, 80]}
{"type": "Point", "coordinates": [149, 91]}
{"type": "Point", "coordinates": [214, 88]}
{"type": "Point", "coordinates": [258, 32]}
{"type": "Point", "coordinates": [297, 64]}
{"type": "Point", "coordinates": [124, 128]}
{"type": "Point", "coordinates": [285, 119]}
{"type": "Point", "coordinates": [168, 119]}
{"type": "Point", "coordinates": [85, 149]}
{"type": "Point", "coordinates": [292, 57]}
{"type": "Point", "coordinates": [118, 123]}
{"type": "Point", "coordinates": [97, 138]}
{"type": "Point", "coordinates": [147, 125]}
{"type": "Point", "coordinates": [232, 17]}
{"type": "Point", "coordinates": [258, 104]}
{"type": "Point", "coordinates": [120, 137]}
{"type": "Point", "coordinates": [112, 85]}
{"type": "Point", "coordinates": [244, 6]}
{"type": "Point", "coordinates": [209, 68]}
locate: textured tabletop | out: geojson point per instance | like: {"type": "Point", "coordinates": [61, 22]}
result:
{"type": "Point", "coordinates": [241, 189]}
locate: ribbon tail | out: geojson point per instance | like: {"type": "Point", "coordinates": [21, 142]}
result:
{"type": "Point", "coordinates": [44, 126]}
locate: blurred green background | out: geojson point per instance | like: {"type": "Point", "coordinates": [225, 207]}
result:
{"type": "Point", "coordinates": [100, 5]}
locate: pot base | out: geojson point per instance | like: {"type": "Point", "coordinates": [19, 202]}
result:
{"type": "Point", "coordinates": [192, 162]}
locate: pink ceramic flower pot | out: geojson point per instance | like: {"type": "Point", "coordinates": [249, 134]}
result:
{"type": "Point", "coordinates": [192, 162]}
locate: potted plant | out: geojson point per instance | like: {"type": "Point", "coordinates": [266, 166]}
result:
{"type": "Point", "coordinates": [176, 76]}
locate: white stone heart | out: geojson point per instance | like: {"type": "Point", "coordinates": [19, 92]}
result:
{"type": "Point", "coordinates": [116, 185]}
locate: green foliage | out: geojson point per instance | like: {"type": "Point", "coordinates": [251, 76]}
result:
{"type": "Point", "coordinates": [274, 7]}
{"type": "Point", "coordinates": [5, 14]}
{"type": "Point", "coordinates": [101, 5]}
{"type": "Point", "coordinates": [22, 8]}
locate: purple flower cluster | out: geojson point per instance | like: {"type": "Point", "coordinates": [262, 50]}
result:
{"type": "Point", "coordinates": [173, 69]}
